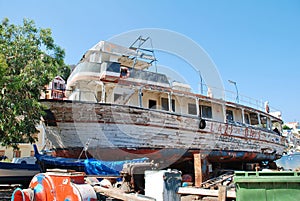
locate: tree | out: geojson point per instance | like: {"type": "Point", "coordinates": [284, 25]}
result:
{"type": "Point", "coordinates": [29, 59]}
{"type": "Point", "coordinates": [64, 71]}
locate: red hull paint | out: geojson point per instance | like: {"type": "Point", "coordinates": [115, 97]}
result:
{"type": "Point", "coordinates": [170, 155]}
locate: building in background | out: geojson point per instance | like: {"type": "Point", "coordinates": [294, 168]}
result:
{"type": "Point", "coordinates": [295, 126]}
{"type": "Point", "coordinates": [25, 149]}
{"type": "Point", "coordinates": [55, 89]}
{"type": "Point", "coordinates": [292, 133]}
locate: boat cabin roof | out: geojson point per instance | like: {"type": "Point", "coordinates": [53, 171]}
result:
{"type": "Point", "coordinates": [128, 57]}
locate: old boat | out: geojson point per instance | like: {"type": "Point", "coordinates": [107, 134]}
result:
{"type": "Point", "coordinates": [117, 109]}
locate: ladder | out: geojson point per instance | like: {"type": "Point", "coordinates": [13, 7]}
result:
{"type": "Point", "coordinates": [216, 180]}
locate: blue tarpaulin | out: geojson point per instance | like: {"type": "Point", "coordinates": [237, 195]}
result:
{"type": "Point", "coordinates": [90, 166]}
{"type": "Point", "coordinates": [99, 167]}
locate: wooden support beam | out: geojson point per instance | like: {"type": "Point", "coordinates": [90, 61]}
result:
{"type": "Point", "coordinates": [119, 194]}
{"type": "Point", "coordinates": [222, 193]}
{"type": "Point", "coordinates": [198, 169]}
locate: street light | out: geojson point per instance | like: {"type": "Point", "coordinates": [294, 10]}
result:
{"type": "Point", "coordinates": [237, 92]}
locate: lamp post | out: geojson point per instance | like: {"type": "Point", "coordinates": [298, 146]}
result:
{"type": "Point", "coordinates": [237, 92]}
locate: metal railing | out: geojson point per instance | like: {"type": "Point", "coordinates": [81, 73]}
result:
{"type": "Point", "coordinates": [231, 96]}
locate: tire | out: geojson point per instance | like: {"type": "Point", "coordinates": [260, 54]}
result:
{"type": "Point", "coordinates": [202, 124]}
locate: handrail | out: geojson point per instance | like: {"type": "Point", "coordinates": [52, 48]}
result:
{"type": "Point", "coordinates": [230, 96]}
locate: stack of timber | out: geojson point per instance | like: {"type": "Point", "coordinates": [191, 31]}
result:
{"type": "Point", "coordinates": [120, 194]}
{"type": "Point", "coordinates": [220, 195]}
{"type": "Point", "coordinates": [217, 188]}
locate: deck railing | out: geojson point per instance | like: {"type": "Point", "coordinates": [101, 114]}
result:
{"type": "Point", "coordinates": [231, 96]}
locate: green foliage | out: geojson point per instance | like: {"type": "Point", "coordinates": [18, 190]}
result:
{"type": "Point", "coordinates": [29, 59]}
{"type": "Point", "coordinates": [285, 127]}
{"type": "Point", "coordinates": [64, 72]}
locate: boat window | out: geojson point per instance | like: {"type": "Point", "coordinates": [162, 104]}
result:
{"type": "Point", "coordinates": [60, 95]}
{"type": "Point", "coordinates": [254, 119]}
{"type": "Point", "coordinates": [2, 153]}
{"type": "Point", "coordinates": [117, 96]}
{"type": "Point", "coordinates": [229, 115]}
{"type": "Point", "coordinates": [206, 111]}
{"type": "Point", "coordinates": [149, 76]}
{"type": "Point", "coordinates": [265, 122]}
{"type": "Point", "coordinates": [165, 104]}
{"type": "Point", "coordinates": [192, 109]}
{"type": "Point", "coordinates": [17, 154]}
{"type": "Point", "coordinates": [113, 66]}
{"type": "Point", "coordinates": [247, 119]}
{"type": "Point", "coordinates": [152, 104]}
{"type": "Point", "coordinates": [99, 94]}
{"type": "Point", "coordinates": [276, 127]}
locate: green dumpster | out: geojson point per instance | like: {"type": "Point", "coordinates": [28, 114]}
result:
{"type": "Point", "coordinates": [267, 186]}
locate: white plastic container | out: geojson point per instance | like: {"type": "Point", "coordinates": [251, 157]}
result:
{"type": "Point", "coordinates": [162, 184]}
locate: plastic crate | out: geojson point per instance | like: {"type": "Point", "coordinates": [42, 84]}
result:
{"type": "Point", "coordinates": [267, 186]}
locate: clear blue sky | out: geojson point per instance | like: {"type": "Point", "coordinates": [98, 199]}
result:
{"type": "Point", "coordinates": [255, 43]}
